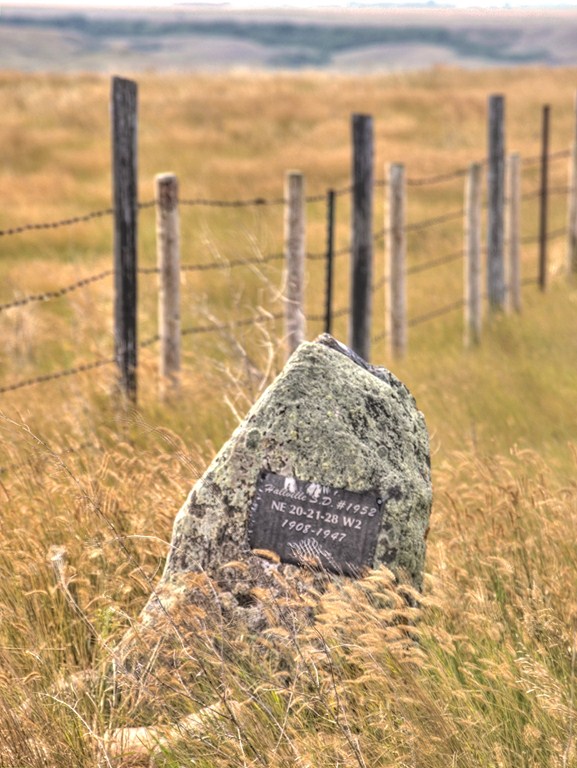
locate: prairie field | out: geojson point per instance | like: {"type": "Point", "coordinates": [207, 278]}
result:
{"type": "Point", "coordinates": [90, 484]}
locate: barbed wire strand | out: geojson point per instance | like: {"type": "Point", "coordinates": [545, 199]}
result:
{"type": "Point", "coordinates": [57, 224]}
{"type": "Point", "coordinates": [56, 294]}
{"type": "Point", "coordinates": [336, 314]}
{"type": "Point", "coordinates": [432, 263]}
{"type": "Point", "coordinates": [537, 193]}
{"type": "Point", "coordinates": [380, 336]}
{"type": "Point", "coordinates": [442, 219]}
{"type": "Point", "coordinates": [256, 201]}
{"type": "Point", "coordinates": [435, 313]}
{"type": "Point", "coordinates": [215, 327]}
{"type": "Point", "coordinates": [320, 255]}
{"type": "Point", "coordinates": [536, 159]}
{"type": "Point", "coordinates": [261, 201]}
{"type": "Point", "coordinates": [555, 233]}
{"type": "Point", "coordinates": [420, 319]}
{"type": "Point", "coordinates": [438, 179]}
{"type": "Point", "coordinates": [552, 235]}
{"type": "Point", "coordinates": [459, 304]}
{"type": "Point", "coordinates": [147, 343]}
{"type": "Point", "coordinates": [217, 265]}
{"type": "Point", "coordinates": [58, 375]}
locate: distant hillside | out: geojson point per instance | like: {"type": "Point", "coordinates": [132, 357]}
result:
{"type": "Point", "coordinates": [216, 39]}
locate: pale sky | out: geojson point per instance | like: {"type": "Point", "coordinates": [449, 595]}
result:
{"type": "Point", "coordinates": [80, 4]}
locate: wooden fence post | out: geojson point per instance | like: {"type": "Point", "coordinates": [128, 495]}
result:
{"type": "Point", "coordinates": [395, 271]}
{"type": "Point", "coordinates": [513, 231]}
{"type": "Point", "coordinates": [572, 206]}
{"type": "Point", "coordinates": [294, 229]}
{"type": "Point", "coordinates": [330, 260]}
{"type": "Point", "coordinates": [125, 191]}
{"type": "Point", "coordinates": [473, 304]}
{"type": "Point", "coordinates": [362, 236]}
{"type": "Point", "coordinates": [544, 199]}
{"type": "Point", "coordinates": [496, 203]}
{"type": "Point", "coordinates": [168, 262]}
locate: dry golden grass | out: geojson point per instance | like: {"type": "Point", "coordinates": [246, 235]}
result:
{"type": "Point", "coordinates": [490, 682]}
{"type": "Point", "coordinates": [89, 487]}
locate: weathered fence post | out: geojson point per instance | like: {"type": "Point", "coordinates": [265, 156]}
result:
{"type": "Point", "coordinates": [544, 199]}
{"type": "Point", "coordinates": [395, 271]}
{"type": "Point", "coordinates": [513, 231]}
{"type": "Point", "coordinates": [362, 236]}
{"type": "Point", "coordinates": [572, 206]}
{"type": "Point", "coordinates": [168, 261]}
{"type": "Point", "coordinates": [124, 164]}
{"type": "Point", "coordinates": [496, 203]}
{"type": "Point", "coordinates": [330, 260]}
{"type": "Point", "coordinates": [473, 304]}
{"type": "Point", "coordinates": [294, 230]}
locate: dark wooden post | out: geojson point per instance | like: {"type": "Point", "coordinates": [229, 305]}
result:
{"type": "Point", "coordinates": [496, 204]}
{"type": "Point", "coordinates": [543, 199]}
{"type": "Point", "coordinates": [124, 169]}
{"type": "Point", "coordinates": [330, 260]}
{"type": "Point", "coordinates": [362, 235]}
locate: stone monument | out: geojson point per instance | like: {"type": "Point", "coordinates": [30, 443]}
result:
{"type": "Point", "coordinates": [326, 478]}
{"type": "Point", "coordinates": [329, 471]}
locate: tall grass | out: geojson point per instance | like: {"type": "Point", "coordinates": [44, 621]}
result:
{"type": "Point", "coordinates": [489, 682]}
{"type": "Point", "coordinates": [479, 670]}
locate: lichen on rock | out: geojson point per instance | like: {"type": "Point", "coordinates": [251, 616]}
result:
{"type": "Point", "coordinates": [330, 421]}
{"type": "Point", "coordinates": [328, 418]}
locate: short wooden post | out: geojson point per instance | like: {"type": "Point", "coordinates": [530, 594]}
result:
{"type": "Point", "coordinates": [473, 304]}
{"type": "Point", "coordinates": [496, 203]}
{"type": "Point", "coordinates": [395, 271]}
{"type": "Point", "coordinates": [544, 200]}
{"type": "Point", "coordinates": [125, 192]}
{"type": "Point", "coordinates": [330, 260]}
{"type": "Point", "coordinates": [513, 231]}
{"type": "Point", "coordinates": [294, 259]}
{"type": "Point", "coordinates": [168, 261]}
{"type": "Point", "coordinates": [572, 204]}
{"type": "Point", "coordinates": [362, 236]}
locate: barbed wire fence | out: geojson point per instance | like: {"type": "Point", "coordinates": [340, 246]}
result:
{"type": "Point", "coordinates": [392, 238]}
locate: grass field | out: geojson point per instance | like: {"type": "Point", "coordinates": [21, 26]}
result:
{"type": "Point", "coordinates": [89, 487]}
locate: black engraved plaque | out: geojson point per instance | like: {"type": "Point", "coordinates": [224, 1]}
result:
{"type": "Point", "coordinates": [314, 525]}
